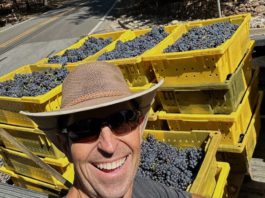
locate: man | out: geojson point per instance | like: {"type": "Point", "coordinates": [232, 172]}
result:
{"type": "Point", "coordinates": [99, 127]}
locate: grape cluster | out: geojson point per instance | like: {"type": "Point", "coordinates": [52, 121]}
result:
{"type": "Point", "coordinates": [168, 165]}
{"type": "Point", "coordinates": [209, 36]}
{"type": "Point", "coordinates": [91, 46]}
{"type": "Point", "coordinates": [33, 84]}
{"type": "Point", "coordinates": [136, 46]}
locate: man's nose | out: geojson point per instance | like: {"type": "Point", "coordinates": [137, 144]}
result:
{"type": "Point", "coordinates": [107, 140]}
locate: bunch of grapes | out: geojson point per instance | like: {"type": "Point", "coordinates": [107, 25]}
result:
{"type": "Point", "coordinates": [33, 84]}
{"type": "Point", "coordinates": [209, 36]}
{"type": "Point", "coordinates": [173, 167]}
{"type": "Point", "coordinates": [136, 46]}
{"type": "Point", "coordinates": [91, 46]}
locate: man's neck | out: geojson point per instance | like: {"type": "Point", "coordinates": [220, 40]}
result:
{"type": "Point", "coordinates": [77, 193]}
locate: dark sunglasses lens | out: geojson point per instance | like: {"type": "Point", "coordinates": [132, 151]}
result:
{"type": "Point", "coordinates": [124, 121]}
{"type": "Point", "coordinates": [85, 129]}
{"type": "Point", "coordinates": [89, 130]}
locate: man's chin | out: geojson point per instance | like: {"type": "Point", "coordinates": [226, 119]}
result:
{"type": "Point", "coordinates": [117, 192]}
{"type": "Point", "coordinates": [117, 189]}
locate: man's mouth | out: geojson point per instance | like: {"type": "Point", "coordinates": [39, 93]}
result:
{"type": "Point", "coordinates": [110, 166]}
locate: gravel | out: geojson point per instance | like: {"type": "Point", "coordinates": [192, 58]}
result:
{"type": "Point", "coordinates": [3, 177]}
{"type": "Point", "coordinates": [229, 7]}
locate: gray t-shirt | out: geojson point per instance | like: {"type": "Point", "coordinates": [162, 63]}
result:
{"type": "Point", "coordinates": [146, 188]}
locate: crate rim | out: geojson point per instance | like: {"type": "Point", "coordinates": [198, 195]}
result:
{"type": "Point", "coordinates": [222, 180]}
{"type": "Point", "coordinates": [239, 147]}
{"type": "Point", "coordinates": [138, 59]}
{"type": "Point", "coordinates": [82, 39]}
{"type": "Point", "coordinates": [216, 86]}
{"type": "Point", "coordinates": [60, 162]}
{"type": "Point", "coordinates": [40, 99]}
{"type": "Point", "coordinates": [208, 117]}
{"type": "Point", "coordinates": [30, 180]}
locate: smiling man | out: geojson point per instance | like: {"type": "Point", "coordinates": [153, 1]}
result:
{"type": "Point", "coordinates": [99, 127]}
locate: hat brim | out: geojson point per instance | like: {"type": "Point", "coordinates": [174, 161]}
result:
{"type": "Point", "coordinates": [49, 120]}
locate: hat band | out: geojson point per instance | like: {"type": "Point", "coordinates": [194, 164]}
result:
{"type": "Point", "coordinates": [91, 96]}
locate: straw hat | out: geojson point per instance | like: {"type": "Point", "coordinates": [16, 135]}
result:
{"type": "Point", "coordinates": [89, 87]}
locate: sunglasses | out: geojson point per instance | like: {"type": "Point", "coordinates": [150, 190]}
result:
{"type": "Point", "coordinates": [89, 130]}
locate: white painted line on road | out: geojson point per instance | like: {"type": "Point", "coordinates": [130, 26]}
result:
{"type": "Point", "coordinates": [103, 18]}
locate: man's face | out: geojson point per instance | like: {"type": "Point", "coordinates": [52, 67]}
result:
{"type": "Point", "coordinates": [106, 167]}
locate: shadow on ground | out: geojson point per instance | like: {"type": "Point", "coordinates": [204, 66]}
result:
{"type": "Point", "coordinates": [156, 12]}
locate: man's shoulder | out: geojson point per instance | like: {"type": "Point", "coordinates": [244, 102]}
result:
{"type": "Point", "coordinates": [145, 188]}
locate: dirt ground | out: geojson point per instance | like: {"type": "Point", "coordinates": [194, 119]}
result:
{"type": "Point", "coordinates": [143, 14]}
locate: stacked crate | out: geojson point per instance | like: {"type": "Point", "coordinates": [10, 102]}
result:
{"type": "Point", "coordinates": [141, 74]}
{"type": "Point", "coordinates": [211, 89]}
{"type": "Point", "coordinates": [211, 177]}
{"type": "Point", "coordinates": [17, 164]}
{"type": "Point", "coordinates": [24, 171]}
{"type": "Point", "coordinates": [204, 91]}
{"type": "Point", "coordinates": [135, 71]}
{"type": "Point", "coordinates": [114, 36]}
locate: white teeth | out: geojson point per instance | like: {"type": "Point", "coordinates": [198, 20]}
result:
{"type": "Point", "coordinates": [112, 165]}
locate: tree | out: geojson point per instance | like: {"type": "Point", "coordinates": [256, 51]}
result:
{"type": "Point", "coordinates": [45, 2]}
{"type": "Point", "coordinates": [15, 5]}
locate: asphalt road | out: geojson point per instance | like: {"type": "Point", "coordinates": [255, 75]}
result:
{"type": "Point", "coordinates": [50, 32]}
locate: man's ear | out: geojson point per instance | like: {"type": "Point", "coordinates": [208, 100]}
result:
{"type": "Point", "coordinates": [143, 123]}
{"type": "Point", "coordinates": [60, 140]}
{"type": "Point", "coordinates": [65, 145]}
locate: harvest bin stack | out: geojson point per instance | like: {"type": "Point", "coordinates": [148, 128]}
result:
{"type": "Point", "coordinates": [211, 89]}
{"type": "Point", "coordinates": [209, 100]}
{"type": "Point", "coordinates": [23, 171]}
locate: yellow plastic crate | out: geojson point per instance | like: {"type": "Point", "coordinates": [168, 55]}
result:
{"type": "Point", "coordinates": [34, 139]}
{"type": "Point", "coordinates": [10, 106]}
{"type": "Point", "coordinates": [132, 34]}
{"type": "Point", "coordinates": [205, 181]}
{"type": "Point", "coordinates": [204, 66]}
{"type": "Point", "coordinates": [151, 115]}
{"type": "Point", "coordinates": [37, 185]}
{"type": "Point", "coordinates": [230, 125]}
{"type": "Point", "coordinates": [222, 175]}
{"type": "Point", "coordinates": [78, 44]}
{"type": "Point", "coordinates": [217, 98]}
{"type": "Point", "coordinates": [157, 124]}
{"type": "Point", "coordinates": [141, 88]}
{"type": "Point", "coordinates": [134, 70]}
{"type": "Point", "coordinates": [240, 154]}
{"type": "Point", "coordinates": [21, 164]}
